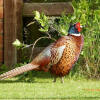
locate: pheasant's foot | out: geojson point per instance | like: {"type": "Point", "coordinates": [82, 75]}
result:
{"type": "Point", "coordinates": [62, 80]}
{"type": "Point", "coordinates": [54, 79]}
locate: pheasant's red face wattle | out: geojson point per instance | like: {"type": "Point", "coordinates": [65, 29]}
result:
{"type": "Point", "coordinates": [78, 27]}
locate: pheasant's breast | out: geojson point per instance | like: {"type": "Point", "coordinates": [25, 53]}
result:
{"type": "Point", "coordinates": [69, 57]}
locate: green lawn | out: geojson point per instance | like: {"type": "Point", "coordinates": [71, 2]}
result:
{"type": "Point", "coordinates": [43, 88]}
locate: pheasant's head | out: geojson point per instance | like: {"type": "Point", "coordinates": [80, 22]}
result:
{"type": "Point", "coordinates": [75, 28]}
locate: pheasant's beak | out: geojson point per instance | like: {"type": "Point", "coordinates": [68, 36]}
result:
{"type": "Point", "coordinates": [81, 26]}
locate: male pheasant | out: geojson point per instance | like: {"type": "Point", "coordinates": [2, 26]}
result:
{"type": "Point", "coordinates": [58, 58]}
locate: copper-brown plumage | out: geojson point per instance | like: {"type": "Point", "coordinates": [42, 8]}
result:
{"type": "Point", "coordinates": [58, 58]}
{"type": "Point", "coordinates": [70, 55]}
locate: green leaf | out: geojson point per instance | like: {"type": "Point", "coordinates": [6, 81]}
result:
{"type": "Point", "coordinates": [37, 15]}
{"type": "Point", "coordinates": [43, 30]}
{"type": "Point", "coordinates": [17, 43]}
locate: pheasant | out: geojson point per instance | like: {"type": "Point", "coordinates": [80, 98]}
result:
{"type": "Point", "coordinates": [58, 58]}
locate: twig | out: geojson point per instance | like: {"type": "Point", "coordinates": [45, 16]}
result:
{"type": "Point", "coordinates": [35, 21]}
{"type": "Point", "coordinates": [54, 29]}
{"type": "Point", "coordinates": [27, 46]}
{"type": "Point", "coordinates": [48, 34]}
{"type": "Point", "coordinates": [30, 24]}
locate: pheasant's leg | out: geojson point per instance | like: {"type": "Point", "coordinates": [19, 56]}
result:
{"type": "Point", "coordinates": [54, 79]}
{"type": "Point", "coordinates": [62, 80]}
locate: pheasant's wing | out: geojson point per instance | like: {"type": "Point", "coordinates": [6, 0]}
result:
{"type": "Point", "coordinates": [51, 54]}
{"type": "Point", "coordinates": [43, 58]}
{"type": "Point", "coordinates": [58, 49]}
{"type": "Point", "coordinates": [56, 54]}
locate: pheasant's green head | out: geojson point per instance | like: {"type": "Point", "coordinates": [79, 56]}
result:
{"type": "Point", "coordinates": [75, 28]}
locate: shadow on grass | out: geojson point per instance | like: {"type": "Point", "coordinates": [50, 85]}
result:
{"type": "Point", "coordinates": [29, 78]}
{"type": "Point", "coordinates": [11, 81]}
{"type": "Point", "coordinates": [65, 98]}
{"type": "Point", "coordinates": [19, 81]}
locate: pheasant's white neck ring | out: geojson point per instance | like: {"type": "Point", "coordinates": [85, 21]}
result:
{"type": "Point", "coordinates": [76, 34]}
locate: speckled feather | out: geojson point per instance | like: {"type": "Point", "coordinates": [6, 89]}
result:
{"type": "Point", "coordinates": [70, 55]}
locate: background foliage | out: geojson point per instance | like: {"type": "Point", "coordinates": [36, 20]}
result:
{"type": "Point", "coordinates": [87, 12]}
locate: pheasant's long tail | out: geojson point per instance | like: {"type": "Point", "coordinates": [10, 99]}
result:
{"type": "Point", "coordinates": [17, 71]}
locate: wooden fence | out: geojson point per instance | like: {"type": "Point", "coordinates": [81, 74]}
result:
{"type": "Point", "coordinates": [14, 10]}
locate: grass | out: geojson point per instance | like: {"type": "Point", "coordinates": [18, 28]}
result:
{"type": "Point", "coordinates": [43, 88]}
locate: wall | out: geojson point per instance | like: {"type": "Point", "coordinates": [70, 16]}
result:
{"type": "Point", "coordinates": [1, 31]}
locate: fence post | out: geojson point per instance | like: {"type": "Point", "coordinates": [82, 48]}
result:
{"type": "Point", "coordinates": [12, 29]}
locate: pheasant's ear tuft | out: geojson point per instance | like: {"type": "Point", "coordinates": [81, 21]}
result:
{"type": "Point", "coordinates": [78, 26]}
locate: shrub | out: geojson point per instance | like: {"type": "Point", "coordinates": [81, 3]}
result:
{"type": "Point", "coordinates": [87, 12]}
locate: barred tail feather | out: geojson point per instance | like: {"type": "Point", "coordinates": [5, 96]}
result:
{"type": "Point", "coordinates": [17, 71]}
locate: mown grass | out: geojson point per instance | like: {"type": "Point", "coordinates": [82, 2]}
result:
{"type": "Point", "coordinates": [43, 88]}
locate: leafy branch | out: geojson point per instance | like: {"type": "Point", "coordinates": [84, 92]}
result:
{"type": "Point", "coordinates": [59, 26]}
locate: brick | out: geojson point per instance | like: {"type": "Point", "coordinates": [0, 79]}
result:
{"type": "Point", "coordinates": [1, 55]}
{"type": "Point", "coordinates": [1, 12]}
{"type": "Point", "coordinates": [1, 31]}
{"type": "Point", "coordinates": [1, 26]}
{"type": "Point", "coordinates": [1, 48]}
{"type": "Point", "coordinates": [1, 2]}
{"type": "Point", "coordinates": [1, 41]}
{"type": "Point", "coordinates": [1, 34]}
